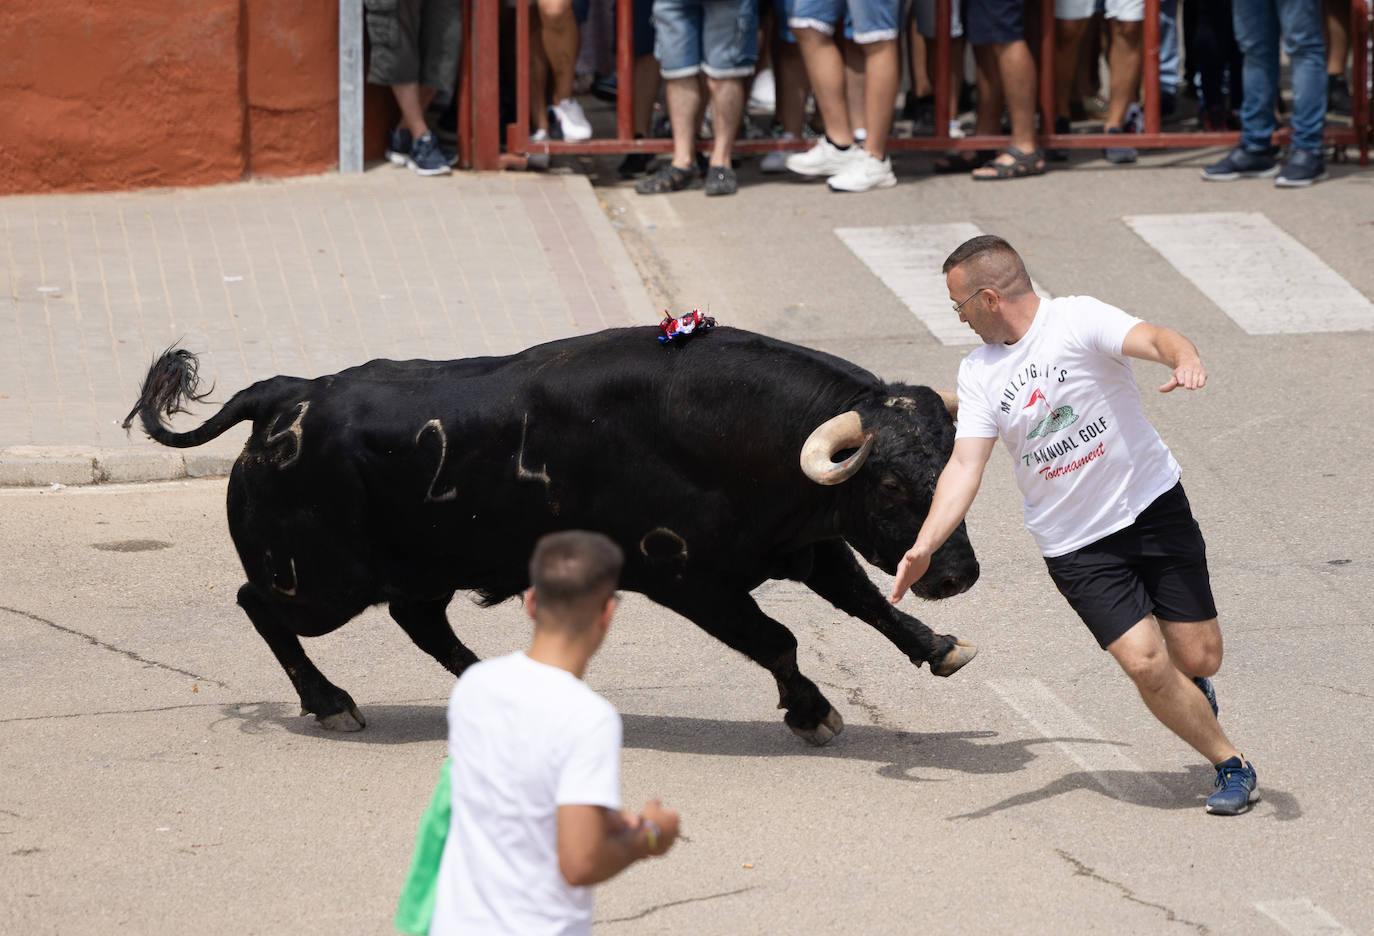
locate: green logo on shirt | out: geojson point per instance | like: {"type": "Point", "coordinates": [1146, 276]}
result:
{"type": "Point", "coordinates": [1059, 418]}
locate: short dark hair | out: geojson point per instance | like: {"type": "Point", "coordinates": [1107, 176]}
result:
{"type": "Point", "coordinates": [995, 263]}
{"type": "Point", "coordinates": [574, 568]}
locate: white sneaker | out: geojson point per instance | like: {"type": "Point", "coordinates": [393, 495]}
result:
{"type": "Point", "coordinates": [866, 172]}
{"type": "Point", "coordinates": [776, 161]}
{"type": "Point", "coordinates": [956, 130]}
{"type": "Point", "coordinates": [538, 160]}
{"type": "Point", "coordinates": [572, 121]}
{"type": "Point", "coordinates": [823, 159]}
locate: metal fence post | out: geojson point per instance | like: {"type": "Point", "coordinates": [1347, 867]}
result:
{"type": "Point", "coordinates": [350, 85]}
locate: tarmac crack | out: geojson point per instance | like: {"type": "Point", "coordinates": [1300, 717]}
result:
{"type": "Point", "coordinates": [129, 654]}
{"type": "Point", "coordinates": [1082, 870]}
{"type": "Point", "coordinates": [674, 903]}
{"type": "Point", "coordinates": [1349, 692]}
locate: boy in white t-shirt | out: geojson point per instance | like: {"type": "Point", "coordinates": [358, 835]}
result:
{"type": "Point", "coordinates": [1101, 491]}
{"type": "Point", "coordinates": [535, 765]}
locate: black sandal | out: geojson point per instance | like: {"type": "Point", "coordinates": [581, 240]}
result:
{"type": "Point", "coordinates": [1022, 164]}
{"type": "Point", "coordinates": [961, 161]}
{"type": "Point", "coordinates": [668, 178]}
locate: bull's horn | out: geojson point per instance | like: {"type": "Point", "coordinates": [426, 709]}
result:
{"type": "Point", "coordinates": [841, 432]}
{"type": "Point", "coordinates": [951, 400]}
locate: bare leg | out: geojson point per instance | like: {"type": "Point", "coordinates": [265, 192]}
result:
{"type": "Point", "coordinates": [646, 92]}
{"type": "Point", "coordinates": [825, 68]}
{"type": "Point", "coordinates": [727, 106]}
{"type": "Point", "coordinates": [1337, 32]}
{"type": "Point", "coordinates": [882, 78]}
{"type": "Point", "coordinates": [413, 99]}
{"type": "Point", "coordinates": [990, 102]}
{"type": "Point", "coordinates": [561, 40]}
{"type": "Point", "coordinates": [1123, 62]}
{"type": "Point", "coordinates": [1168, 693]}
{"type": "Point", "coordinates": [539, 76]}
{"type": "Point", "coordinates": [1067, 35]}
{"type": "Point", "coordinates": [792, 87]}
{"type": "Point", "coordinates": [684, 111]}
{"type": "Point", "coordinates": [855, 78]}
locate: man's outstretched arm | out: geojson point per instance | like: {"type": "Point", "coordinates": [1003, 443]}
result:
{"type": "Point", "coordinates": [595, 843]}
{"type": "Point", "coordinates": [954, 494]}
{"type": "Point", "coordinates": [1166, 346]}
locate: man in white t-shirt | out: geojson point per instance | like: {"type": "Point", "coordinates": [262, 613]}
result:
{"type": "Point", "coordinates": [535, 765]}
{"type": "Point", "coordinates": [1101, 490]}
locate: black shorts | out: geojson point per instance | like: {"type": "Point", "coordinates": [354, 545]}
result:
{"type": "Point", "coordinates": [993, 22]}
{"type": "Point", "coordinates": [1157, 565]}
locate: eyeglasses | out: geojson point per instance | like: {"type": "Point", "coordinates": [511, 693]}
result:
{"type": "Point", "coordinates": [960, 305]}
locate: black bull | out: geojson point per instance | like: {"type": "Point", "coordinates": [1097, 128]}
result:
{"type": "Point", "coordinates": [405, 481]}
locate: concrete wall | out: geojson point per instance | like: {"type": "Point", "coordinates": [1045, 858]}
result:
{"type": "Point", "coordinates": [135, 93]}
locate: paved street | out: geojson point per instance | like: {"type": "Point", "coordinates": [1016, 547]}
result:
{"type": "Point", "coordinates": [156, 777]}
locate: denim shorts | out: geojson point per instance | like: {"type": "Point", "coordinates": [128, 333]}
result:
{"type": "Point", "coordinates": [784, 13]}
{"type": "Point", "coordinates": [1128, 11]}
{"type": "Point", "coordinates": [873, 20]}
{"type": "Point", "coordinates": [718, 37]}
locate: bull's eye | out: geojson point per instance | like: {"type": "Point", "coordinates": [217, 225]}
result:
{"type": "Point", "coordinates": [892, 489]}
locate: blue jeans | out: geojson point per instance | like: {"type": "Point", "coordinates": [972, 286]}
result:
{"type": "Point", "coordinates": [1258, 24]}
{"type": "Point", "coordinates": [1168, 46]}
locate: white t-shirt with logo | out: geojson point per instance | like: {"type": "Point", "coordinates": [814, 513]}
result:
{"type": "Point", "coordinates": [1064, 401]}
{"type": "Point", "coordinates": [525, 738]}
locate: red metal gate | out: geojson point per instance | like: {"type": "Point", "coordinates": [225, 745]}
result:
{"type": "Point", "coordinates": [479, 95]}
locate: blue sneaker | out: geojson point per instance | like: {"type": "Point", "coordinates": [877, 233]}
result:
{"type": "Point", "coordinates": [398, 146]}
{"type": "Point", "coordinates": [426, 158]}
{"type": "Point", "coordinates": [1240, 163]}
{"type": "Point", "coordinates": [1302, 169]}
{"type": "Point", "coordinates": [1205, 684]}
{"type": "Point", "coordinates": [1237, 787]}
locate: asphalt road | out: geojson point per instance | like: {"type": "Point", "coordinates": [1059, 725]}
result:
{"type": "Point", "coordinates": [155, 776]}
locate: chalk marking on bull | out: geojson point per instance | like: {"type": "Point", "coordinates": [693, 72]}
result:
{"type": "Point", "coordinates": [452, 492]}
{"type": "Point", "coordinates": [658, 535]}
{"type": "Point", "coordinates": [1056, 721]}
{"type": "Point", "coordinates": [1302, 917]}
{"type": "Point", "coordinates": [295, 431]}
{"type": "Point", "coordinates": [523, 473]}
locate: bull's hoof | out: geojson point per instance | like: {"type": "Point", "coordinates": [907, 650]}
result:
{"type": "Point", "coordinates": [953, 661]}
{"type": "Point", "coordinates": [831, 725]}
{"type": "Point", "coordinates": [350, 720]}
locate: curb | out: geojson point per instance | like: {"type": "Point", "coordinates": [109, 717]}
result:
{"type": "Point", "coordinates": [68, 466]}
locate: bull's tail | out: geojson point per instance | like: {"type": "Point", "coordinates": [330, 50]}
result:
{"type": "Point", "coordinates": [172, 382]}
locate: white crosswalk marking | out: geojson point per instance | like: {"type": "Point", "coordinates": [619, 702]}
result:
{"type": "Point", "coordinates": [1302, 917]}
{"type": "Point", "coordinates": [1259, 275]}
{"type": "Point", "coordinates": [907, 259]}
{"type": "Point", "coordinates": [1074, 736]}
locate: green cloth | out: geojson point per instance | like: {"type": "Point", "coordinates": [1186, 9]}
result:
{"type": "Point", "coordinates": [415, 909]}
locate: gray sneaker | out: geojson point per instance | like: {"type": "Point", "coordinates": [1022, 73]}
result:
{"type": "Point", "coordinates": [720, 180]}
{"type": "Point", "coordinates": [1302, 169]}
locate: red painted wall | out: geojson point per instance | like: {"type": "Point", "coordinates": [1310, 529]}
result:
{"type": "Point", "coordinates": [114, 95]}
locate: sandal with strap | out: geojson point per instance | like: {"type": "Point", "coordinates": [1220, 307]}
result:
{"type": "Point", "coordinates": [962, 161]}
{"type": "Point", "coordinates": [668, 178]}
{"type": "Point", "coordinates": [1022, 164]}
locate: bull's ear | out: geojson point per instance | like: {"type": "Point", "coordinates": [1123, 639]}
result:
{"type": "Point", "coordinates": [951, 401]}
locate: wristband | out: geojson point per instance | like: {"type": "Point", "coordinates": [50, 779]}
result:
{"type": "Point", "coordinates": [651, 833]}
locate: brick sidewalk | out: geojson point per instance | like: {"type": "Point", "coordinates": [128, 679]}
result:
{"type": "Point", "coordinates": [301, 276]}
